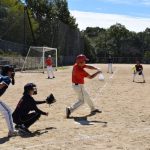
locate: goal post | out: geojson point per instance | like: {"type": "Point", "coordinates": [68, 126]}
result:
{"type": "Point", "coordinates": [35, 59]}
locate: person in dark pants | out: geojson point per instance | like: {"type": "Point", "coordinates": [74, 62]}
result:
{"type": "Point", "coordinates": [22, 116]}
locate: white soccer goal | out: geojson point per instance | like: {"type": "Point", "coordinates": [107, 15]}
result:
{"type": "Point", "coordinates": [35, 59]}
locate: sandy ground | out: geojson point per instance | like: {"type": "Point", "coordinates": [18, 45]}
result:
{"type": "Point", "coordinates": [124, 123]}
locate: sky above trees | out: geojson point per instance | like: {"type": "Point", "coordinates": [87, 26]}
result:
{"type": "Point", "coordinates": [134, 14]}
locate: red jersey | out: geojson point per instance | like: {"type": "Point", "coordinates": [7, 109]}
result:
{"type": "Point", "coordinates": [78, 74]}
{"type": "Point", "coordinates": [48, 62]}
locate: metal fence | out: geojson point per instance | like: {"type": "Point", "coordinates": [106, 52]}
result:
{"type": "Point", "coordinates": [122, 60]}
{"type": "Point", "coordinates": [63, 61]}
{"type": "Point", "coordinates": [11, 46]}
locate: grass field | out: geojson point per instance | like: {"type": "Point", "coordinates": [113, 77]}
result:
{"type": "Point", "coordinates": [124, 123]}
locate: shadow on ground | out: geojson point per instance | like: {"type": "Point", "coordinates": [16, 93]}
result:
{"type": "Point", "coordinates": [37, 132]}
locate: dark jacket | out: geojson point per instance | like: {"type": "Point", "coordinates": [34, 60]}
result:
{"type": "Point", "coordinates": [25, 105]}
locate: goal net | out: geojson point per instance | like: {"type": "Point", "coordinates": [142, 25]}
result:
{"type": "Point", "coordinates": [35, 59]}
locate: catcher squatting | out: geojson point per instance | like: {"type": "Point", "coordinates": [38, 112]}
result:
{"type": "Point", "coordinates": [21, 115]}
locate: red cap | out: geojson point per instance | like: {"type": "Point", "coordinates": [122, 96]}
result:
{"type": "Point", "coordinates": [81, 58]}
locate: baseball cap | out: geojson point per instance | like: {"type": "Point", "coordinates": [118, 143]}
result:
{"type": "Point", "coordinates": [6, 68]}
{"type": "Point", "coordinates": [81, 58]}
{"type": "Point", "coordinates": [30, 86]}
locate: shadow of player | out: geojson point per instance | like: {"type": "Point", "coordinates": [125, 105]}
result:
{"type": "Point", "coordinates": [138, 82]}
{"type": "Point", "coordinates": [37, 132]}
{"type": "Point", "coordinates": [4, 139]}
{"type": "Point", "coordinates": [84, 121]}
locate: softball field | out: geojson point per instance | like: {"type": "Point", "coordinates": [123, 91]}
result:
{"type": "Point", "coordinates": [124, 123]}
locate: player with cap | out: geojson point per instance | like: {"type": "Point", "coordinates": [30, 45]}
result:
{"type": "Point", "coordinates": [7, 77]}
{"type": "Point", "coordinates": [49, 64]}
{"type": "Point", "coordinates": [22, 116]}
{"type": "Point", "coordinates": [138, 69]}
{"type": "Point", "coordinates": [78, 75]}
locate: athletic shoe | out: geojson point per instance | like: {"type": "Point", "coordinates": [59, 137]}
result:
{"type": "Point", "coordinates": [12, 133]}
{"type": "Point", "coordinates": [144, 81]}
{"type": "Point", "coordinates": [68, 112]}
{"type": "Point", "coordinates": [24, 130]}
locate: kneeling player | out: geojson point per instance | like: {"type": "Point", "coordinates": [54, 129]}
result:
{"type": "Point", "coordinates": [22, 116]}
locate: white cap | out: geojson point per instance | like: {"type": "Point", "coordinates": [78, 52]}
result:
{"type": "Point", "coordinates": [49, 55]}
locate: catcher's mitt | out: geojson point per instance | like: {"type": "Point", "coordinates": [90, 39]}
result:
{"type": "Point", "coordinates": [140, 73]}
{"type": "Point", "coordinates": [50, 99]}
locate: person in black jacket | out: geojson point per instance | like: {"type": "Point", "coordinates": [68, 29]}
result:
{"type": "Point", "coordinates": [22, 116]}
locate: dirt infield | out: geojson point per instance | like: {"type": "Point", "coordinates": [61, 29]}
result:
{"type": "Point", "coordinates": [124, 123]}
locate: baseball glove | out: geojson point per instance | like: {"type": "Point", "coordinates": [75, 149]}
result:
{"type": "Point", "coordinates": [140, 72]}
{"type": "Point", "coordinates": [50, 99]}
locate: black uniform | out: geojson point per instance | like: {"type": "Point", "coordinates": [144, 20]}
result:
{"type": "Point", "coordinates": [22, 114]}
{"type": "Point", "coordinates": [110, 60]}
{"type": "Point", "coordinates": [139, 68]}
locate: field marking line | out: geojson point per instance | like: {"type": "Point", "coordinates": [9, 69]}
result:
{"type": "Point", "coordinates": [105, 85]}
{"type": "Point", "coordinates": [81, 137]}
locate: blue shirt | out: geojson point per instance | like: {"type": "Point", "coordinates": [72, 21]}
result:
{"type": "Point", "coordinates": [5, 80]}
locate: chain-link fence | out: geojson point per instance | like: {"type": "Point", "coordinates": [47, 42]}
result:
{"type": "Point", "coordinates": [123, 60]}
{"type": "Point", "coordinates": [11, 46]}
{"type": "Point", "coordinates": [64, 60]}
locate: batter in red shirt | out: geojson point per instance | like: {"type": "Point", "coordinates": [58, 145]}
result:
{"type": "Point", "coordinates": [78, 75]}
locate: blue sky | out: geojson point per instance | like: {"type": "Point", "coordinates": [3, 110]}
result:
{"type": "Point", "coordinates": [134, 14]}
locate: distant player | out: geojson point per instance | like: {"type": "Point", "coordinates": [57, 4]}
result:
{"type": "Point", "coordinates": [78, 75]}
{"type": "Point", "coordinates": [138, 70]}
{"type": "Point", "coordinates": [49, 64]}
{"type": "Point", "coordinates": [26, 112]}
{"type": "Point", "coordinates": [7, 77]}
{"type": "Point", "coordinates": [110, 69]}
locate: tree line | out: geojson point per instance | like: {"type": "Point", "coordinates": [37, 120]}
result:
{"type": "Point", "coordinates": [47, 17]}
{"type": "Point", "coordinates": [42, 14]}
{"type": "Point", "coordinates": [118, 41]}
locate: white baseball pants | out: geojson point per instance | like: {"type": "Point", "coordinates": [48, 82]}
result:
{"type": "Point", "coordinates": [6, 111]}
{"type": "Point", "coordinates": [82, 97]}
{"type": "Point", "coordinates": [50, 71]}
{"type": "Point", "coordinates": [110, 70]}
{"type": "Point", "coordinates": [136, 74]}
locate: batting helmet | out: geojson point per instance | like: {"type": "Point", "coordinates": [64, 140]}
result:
{"type": "Point", "coordinates": [81, 58]}
{"type": "Point", "coordinates": [6, 68]}
{"type": "Point", "coordinates": [28, 87]}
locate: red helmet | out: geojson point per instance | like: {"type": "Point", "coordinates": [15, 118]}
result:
{"type": "Point", "coordinates": [81, 58]}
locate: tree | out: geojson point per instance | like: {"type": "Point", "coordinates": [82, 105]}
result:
{"type": "Point", "coordinates": [12, 23]}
